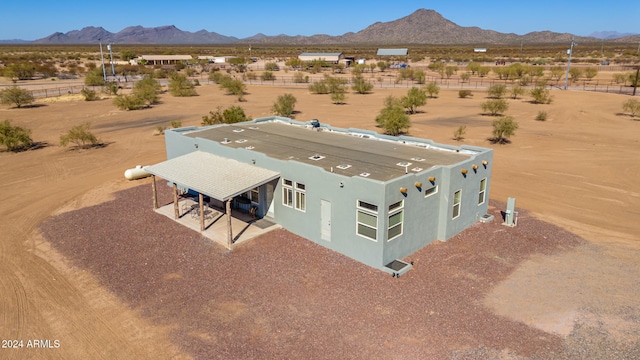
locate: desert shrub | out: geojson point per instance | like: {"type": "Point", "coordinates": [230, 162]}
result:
{"type": "Point", "coordinates": [575, 73]}
{"type": "Point", "coordinates": [233, 86]}
{"type": "Point", "coordinates": [284, 105]}
{"type": "Point", "coordinates": [517, 90]}
{"type": "Point", "coordinates": [590, 73]}
{"type": "Point", "coordinates": [250, 75]}
{"type": "Point", "coordinates": [319, 87]}
{"type": "Point", "coordinates": [147, 90]}
{"type": "Point", "coordinates": [111, 88]}
{"type": "Point", "coordinates": [176, 124]}
{"type": "Point", "coordinates": [464, 94]}
{"type": "Point", "coordinates": [458, 134]}
{"type": "Point", "coordinates": [392, 118]}
{"type": "Point", "coordinates": [495, 106]}
{"type": "Point", "coordinates": [128, 102]}
{"type": "Point", "coordinates": [497, 91]}
{"type": "Point", "coordinates": [432, 89]}
{"type": "Point", "coordinates": [503, 129]}
{"type": "Point", "coordinates": [234, 114]}
{"type": "Point", "coordinates": [17, 96]}
{"type": "Point", "coordinates": [465, 76]}
{"type": "Point", "coordinates": [89, 95]}
{"type": "Point", "coordinates": [180, 86]}
{"type": "Point", "coordinates": [13, 137]}
{"type": "Point", "coordinates": [80, 135]}
{"type": "Point", "coordinates": [267, 76]}
{"type": "Point", "coordinates": [160, 130]}
{"type": "Point", "coordinates": [196, 82]}
{"type": "Point", "coordinates": [217, 77]}
{"type": "Point", "coordinates": [541, 95]}
{"type": "Point", "coordinates": [620, 78]}
{"type": "Point", "coordinates": [271, 66]}
{"type": "Point", "coordinates": [338, 97]}
{"type": "Point", "coordinates": [632, 106]}
{"type": "Point", "coordinates": [542, 116]}
{"type": "Point", "coordinates": [299, 78]}
{"type": "Point", "coordinates": [360, 85]}
{"type": "Point", "coordinates": [94, 77]}
{"type": "Point", "coordinates": [415, 97]}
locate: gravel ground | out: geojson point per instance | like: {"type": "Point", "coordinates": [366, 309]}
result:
{"type": "Point", "coordinates": [281, 296]}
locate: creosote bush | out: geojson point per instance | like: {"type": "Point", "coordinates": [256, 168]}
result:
{"type": "Point", "coordinates": [503, 129]}
{"type": "Point", "coordinates": [632, 106]}
{"type": "Point", "coordinates": [80, 135]}
{"type": "Point", "coordinates": [542, 116]}
{"type": "Point", "coordinates": [458, 134]}
{"type": "Point", "coordinates": [13, 137]}
{"type": "Point", "coordinates": [464, 94]}
{"type": "Point", "coordinates": [495, 106]}
{"type": "Point", "coordinates": [284, 105]}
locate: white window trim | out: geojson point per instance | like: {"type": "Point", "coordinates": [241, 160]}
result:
{"type": "Point", "coordinates": [393, 212]}
{"type": "Point", "coordinates": [483, 191]}
{"type": "Point", "coordinates": [289, 189]}
{"type": "Point", "coordinates": [303, 192]}
{"type": "Point", "coordinates": [368, 212]}
{"type": "Point", "coordinates": [433, 193]}
{"type": "Point", "coordinates": [454, 205]}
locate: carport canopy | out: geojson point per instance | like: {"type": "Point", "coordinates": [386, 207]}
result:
{"type": "Point", "coordinates": [212, 175]}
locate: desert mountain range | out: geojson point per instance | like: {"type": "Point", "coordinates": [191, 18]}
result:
{"type": "Point", "coordinates": [423, 27]}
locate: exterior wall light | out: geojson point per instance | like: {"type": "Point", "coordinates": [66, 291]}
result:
{"type": "Point", "coordinates": [418, 184]}
{"type": "Point", "coordinates": [403, 190]}
{"type": "Point", "coordinates": [432, 179]}
{"type": "Point", "coordinates": [474, 167]}
{"type": "Point", "coordinates": [485, 162]}
{"type": "Point", "coordinates": [464, 171]}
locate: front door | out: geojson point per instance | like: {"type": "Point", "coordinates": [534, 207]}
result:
{"type": "Point", "coordinates": [325, 220]}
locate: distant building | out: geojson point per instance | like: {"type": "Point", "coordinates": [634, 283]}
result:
{"type": "Point", "coordinates": [217, 59]}
{"type": "Point", "coordinates": [372, 197]}
{"type": "Point", "coordinates": [161, 59]}
{"type": "Point", "coordinates": [480, 50]}
{"type": "Point", "coordinates": [392, 52]}
{"type": "Point", "coordinates": [333, 58]}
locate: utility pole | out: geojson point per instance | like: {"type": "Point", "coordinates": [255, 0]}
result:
{"type": "Point", "coordinates": [566, 76]}
{"type": "Point", "coordinates": [113, 71]}
{"type": "Point", "coordinates": [104, 71]}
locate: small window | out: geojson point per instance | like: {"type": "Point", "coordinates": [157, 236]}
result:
{"type": "Point", "coordinates": [457, 199]}
{"type": "Point", "coordinates": [301, 197]}
{"type": "Point", "coordinates": [483, 191]}
{"type": "Point", "coordinates": [367, 220]}
{"type": "Point", "coordinates": [396, 217]}
{"type": "Point", "coordinates": [287, 193]}
{"type": "Point", "coordinates": [430, 191]}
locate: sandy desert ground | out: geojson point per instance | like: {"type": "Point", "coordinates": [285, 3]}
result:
{"type": "Point", "coordinates": [578, 170]}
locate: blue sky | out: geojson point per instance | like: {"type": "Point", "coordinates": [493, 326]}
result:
{"type": "Point", "coordinates": [30, 20]}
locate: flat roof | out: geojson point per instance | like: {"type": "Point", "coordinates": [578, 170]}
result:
{"type": "Point", "coordinates": [349, 153]}
{"type": "Point", "coordinates": [392, 52]}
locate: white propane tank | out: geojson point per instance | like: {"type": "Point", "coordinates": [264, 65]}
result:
{"type": "Point", "coordinates": [136, 173]}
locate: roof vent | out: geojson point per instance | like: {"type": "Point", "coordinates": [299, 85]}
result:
{"type": "Point", "coordinates": [316, 157]}
{"type": "Point", "coordinates": [238, 130]}
{"type": "Point", "coordinates": [240, 141]}
{"type": "Point", "coordinates": [416, 169]}
{"type": "Point", "coordinates": [226, 141]}
{"type": "Point", "coordinates": [365, 174]}
{"type": "Point", "coordinates": [343, 166]}
{"type": "Point", "coordinates": [403, 163]}
{"type": "Point", "coordinates": [249, 148]}
{"type": "Point", "coordinates": [417, 159]}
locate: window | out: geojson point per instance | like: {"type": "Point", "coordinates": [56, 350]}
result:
{"type": "Point", "coordinates": [367, 220]}
{"type": "Point", "coordinates": [396, 213]}
{"type": "Point", "coordinates": [457, 197]}
{"type": "Point", "coordinates": [483, 191]}
{"type": "Point", "coordinates": [430, 191]}
{"type": "Point", "coordinates": [293, 195]}
{"type": "Point", "coordinates": [287, 193]}
{"type": "Point", "coordinates": [301, 197]}
{"type": "Point", "coordinates": [254, 195]}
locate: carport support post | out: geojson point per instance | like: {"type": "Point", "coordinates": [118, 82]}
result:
{"type": "Point", "coordinates": [229, 236]}
{"type": "Point", "coordinates": [201, 201]}
{"type": "Point", "coordinates": [176, 211]}
{"type": "Point", "coordinates": [155, 192]}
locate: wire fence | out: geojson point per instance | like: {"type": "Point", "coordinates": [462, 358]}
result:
{"type": "Point", "coordinates": [378, 82]}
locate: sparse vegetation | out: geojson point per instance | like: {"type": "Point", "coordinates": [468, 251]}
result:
{"type": "Point", "coordinates": [299, 78]}
{"type": "Point", "coordinates": [464, 94]}
{"type": "Point", "coordinates": [284, 105]}
{"type": "Point", "coordinates": [360, 85]}
{"type": "Point", "coordinates": [392, 118]}
{"type": "Point", "coordinates": [415, 98]}
{"type": "Point", "coordinates": [497, 91]}
{"type": "Point", "coordinates": [180, 86]}
{"type": "Point", "coordinates": [175, 124]}
{"type": "Point", "coordinates": [432, 89]}
{"type": "Point", "coordinates": [542, 116]}
{"type": "Point", "coordinates": [17, 96]}
{"type": "Point", "coordinates": [13, 137]}
{"type": "Point", "coordinates": [631, 106]}
{"type": "Point", "coordinates": [459, 133]}
{"type": "Point", "coordinates": [80, 135]}
{"type": "Point", "coordinates": [144, 94]}
{"type": "Point", "coordinates": [517, 90]}
{"type": "Point", "coordinates": [541, 95]}
{"type": "Point", "coordinates": [503, 129]}
{"type": "Point", "coordinates": [267, 76]}
{"type": "Point", "coordinates": [230, 115]}
{"type": "Point", "coordinates": [495, 106]}
{"type": "Point", "coordinates": [88, 94]}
